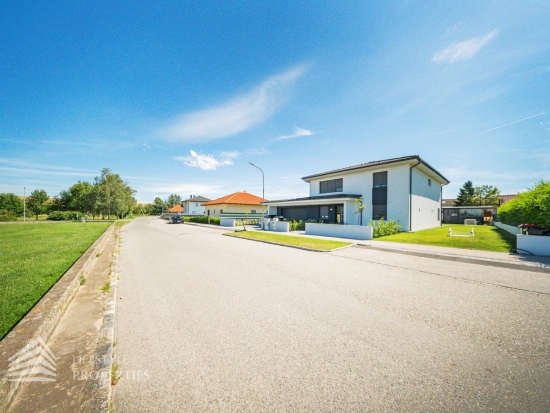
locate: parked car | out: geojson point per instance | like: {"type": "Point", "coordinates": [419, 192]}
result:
{"type": "Point", "coordinates": [176, 220]}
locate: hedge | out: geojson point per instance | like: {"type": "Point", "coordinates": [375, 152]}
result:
{"type": "Point", "coordinates": [531, 207]}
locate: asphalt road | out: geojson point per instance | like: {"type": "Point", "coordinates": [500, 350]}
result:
{"type": "Point", "coordinates": [214, 323]}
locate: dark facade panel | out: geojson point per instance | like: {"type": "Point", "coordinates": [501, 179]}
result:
{"type": "Point", "coordinates": [380, 196]}
{"type": "Point", "coordinates": [380, 179]}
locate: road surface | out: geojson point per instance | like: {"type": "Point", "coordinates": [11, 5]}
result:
{"type": "Point", "coordinates": [207, 322]}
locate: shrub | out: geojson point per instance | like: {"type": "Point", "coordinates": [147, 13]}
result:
{"type": "Point", "coordinates": [203, 220]}
{"type": "Point", "coordinates": [382, 228]}
{"type": "Point", "coordinates": [531, 207]}
{"type": "Point", "coordinates": [297, 225]}
{"type": "Point", "coordinates": [64, 216]}
{"type": "Point", "coordinates": [6, 215]}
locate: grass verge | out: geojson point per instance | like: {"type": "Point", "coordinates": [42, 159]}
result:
{"type": "Point", "coordinates": [33, 258]}
{"type": "Point", "coordinates": [487, 238]}
{"type": "Point", "coordinates": [295, 241]}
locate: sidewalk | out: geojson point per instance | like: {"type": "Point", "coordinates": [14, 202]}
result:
{"type": "Point", "coordinates": [73, 343]}
{"type": "Point", "coordinates": [502, 257]}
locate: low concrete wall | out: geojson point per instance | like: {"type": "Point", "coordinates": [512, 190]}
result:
{"type": "Point", "coordinates": [281, 226]}
{"type": "Point", "coordinates": [42, 320]}
{"type": "Point", "coordinates": [510, 228]}
{"type": "Point", "coordinates": [535, 244]}
{"type": "Point", "coordinates": [227, 222]}
{"type": "Point", "coordinates": [340, 231]}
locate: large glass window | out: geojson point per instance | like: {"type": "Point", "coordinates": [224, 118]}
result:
{"type": "Point", "coordinates": [379, 212]}
{"type": "Point", "coordinates": [334, 185]}
{"type": "Point", "coordinates": [471, 213]}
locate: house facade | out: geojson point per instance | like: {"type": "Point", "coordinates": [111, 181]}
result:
{"type": "Point", "coordinates": [405, 189]}
{"type": "Point", "coordinates": [238, 202]}
{"type": "Point", "coordinates": [194, 205]}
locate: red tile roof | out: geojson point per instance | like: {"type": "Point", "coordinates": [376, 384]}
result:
{"type": "Point", "coordinates": [237, 198]}
{"type": "Point", "coordinates": [175, 208]}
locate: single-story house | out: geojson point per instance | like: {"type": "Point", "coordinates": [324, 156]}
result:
{"type": "Point", "coordinates": [194, 205]}
{"type": "Point", "coordinates": [457, 214]}
{"type": "Point", "coordinates": [406, 189]}
{"type": "Point", "coordinates": [176, 209]}
{"type": "Point", "coordinates": [238, 202]}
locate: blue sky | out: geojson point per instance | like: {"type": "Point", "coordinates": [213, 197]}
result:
{"type": "Point", "coordinates": [177, 97]}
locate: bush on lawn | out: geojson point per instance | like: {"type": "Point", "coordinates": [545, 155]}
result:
{"type": "Point", "coordinates": [203, 220]}
{"type": "Point", "coordinates": [531, 207]}
{"type": "Point", "coordinates": [381, 228]}
{"type": "Point", "coordinates": [64, 216]}
{"type": "Point", "coordinates": [6, 215]}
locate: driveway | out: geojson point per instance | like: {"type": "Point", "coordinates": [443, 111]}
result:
{"type": "Point", "coordinates": [213, 323]}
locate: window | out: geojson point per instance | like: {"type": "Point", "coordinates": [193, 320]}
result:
{"type": "Point", "coordinates": [379, 211]}
{"type": "Point", "coordinates": [380, 195]}
{"type": "Point", "coordinates": [429, 182]}
{"type": "Point", "coordinates": [196, 204]}
{"type": "Point", "coordinates": [221, 211]}
{"type": "Point", "coordinates": [438, 214]}
{"type": "Point", "coordinates": [214, 211]}
{"type": "Point", "coordinates": [380, 179]}
{"type": "Point", "coordinates": [252, 211]}
{"type": "Point", "coordinates": [334, 185]}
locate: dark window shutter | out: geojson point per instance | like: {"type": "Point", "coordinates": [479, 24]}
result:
{"type": "Point", "coordinates": [380, 179]}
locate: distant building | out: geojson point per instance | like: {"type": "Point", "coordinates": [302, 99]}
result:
{"type": "Point", "coordinates": [194, 205]}
{"type": "Point", "coordinates": [506, 198]}
{"type": "Point", "coordinates": [238, 202]}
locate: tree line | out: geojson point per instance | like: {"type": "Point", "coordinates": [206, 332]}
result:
{"type": "Point", "coordinates": [108, 195]}
{"type": "Point", "coordinates": [469, 195]}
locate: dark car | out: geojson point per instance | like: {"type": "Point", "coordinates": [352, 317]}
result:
{"type": "Point", "coordinates": [176, 220]}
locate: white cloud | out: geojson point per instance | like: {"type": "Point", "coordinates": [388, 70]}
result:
{"type": "Point", "coordinates": [231, 155]}
{"type": "Point", "coordinates": [237, 115]}
{"type": "Point", "coordinates": [256, 151]}
{"type": "Point", "coordinates": [298, 132]}
{"type": "Point", "coordinates": [204, 162]}
{"type": "Point", "coordinates": [463, 50]}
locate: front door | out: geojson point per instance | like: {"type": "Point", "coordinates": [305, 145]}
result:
{"type": "Point", "coordinates": [339, 214]}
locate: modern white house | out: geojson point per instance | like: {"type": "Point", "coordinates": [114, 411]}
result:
{"type": "Point", "coordinates": [406, 189]}
{"type": "Point", "coordinates": [194, 205]}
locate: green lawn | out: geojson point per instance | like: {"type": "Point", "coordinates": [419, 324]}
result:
{"type": "Point", "coordinates": [486, 238]}
{"type": "Point", "coordinates": [296, 241]}
{"type": "Point", "coordinates": [33, 258]}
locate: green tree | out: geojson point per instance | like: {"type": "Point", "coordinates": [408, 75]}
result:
{"type": "Point", "coordinates": [466, 194]}
{"type": "Point", "coordinates": [360, 209]}
{"type": "Point", "coordinates": [111, 195]}
{"type": "Point", "coordinates": [158, 206]}
{"type": "Point", "coordinates": [11, 203]}
{"type": "Point", "coordinates": [486, 195]}
{"type": "Point", "coordinates": [38, 202]}
{"type": "Point", "coordinates": [173, 200]}
{"type": "Point", "coordinates": [75, 198]}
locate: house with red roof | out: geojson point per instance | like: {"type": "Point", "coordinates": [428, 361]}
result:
{"type": "Point", "coordinates": [238, 202]}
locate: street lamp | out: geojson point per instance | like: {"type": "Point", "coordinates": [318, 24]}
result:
{"type": "Point", "coordinates": [263, 186]}
{"type": "Point", "coordinates": [24, 204]}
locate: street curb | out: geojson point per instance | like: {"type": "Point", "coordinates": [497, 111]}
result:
{"type": "Point", "coordinates": [99, 383]}
{"type": "Point", "coordinates": [286, 245]}
{"type": "Point", "coordinates": [44, 317]}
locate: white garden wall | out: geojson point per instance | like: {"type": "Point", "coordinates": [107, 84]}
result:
{"type": "Point", "coordinates": [535, 244]}
{"type": "Point", "coordinates": [510, 228]}
{"type": "Point", "coordinates": [340, 231]}
{"type": "Point", "coordinates": [227, 222]}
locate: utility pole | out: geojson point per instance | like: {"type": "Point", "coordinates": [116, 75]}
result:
{"type": "Point", "coordinates": [24, 204]}
{"type": "Point", "coordinates": [263, 187]}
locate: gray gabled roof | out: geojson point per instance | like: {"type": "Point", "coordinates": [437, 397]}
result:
{"type": "Point", "coordinates": [197, 199]}
{"type": "Point", "coordinates": [376, 163]}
